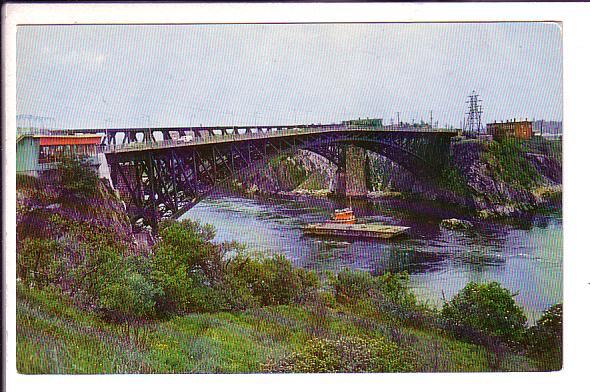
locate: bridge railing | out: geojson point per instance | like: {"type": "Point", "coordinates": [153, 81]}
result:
{"type": "Point", "coordinates": [207, 138]}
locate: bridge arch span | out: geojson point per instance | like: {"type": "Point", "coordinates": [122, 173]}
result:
{"type": "Point", "coordinates": [167, 180]}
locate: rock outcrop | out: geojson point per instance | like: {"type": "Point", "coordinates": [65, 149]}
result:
{"type": "Point", "coordinates": [43, 212]}
{"type": "Point", "coordinates": [491, 194]}
{"type": "Point", "coordinates": [456, 224]}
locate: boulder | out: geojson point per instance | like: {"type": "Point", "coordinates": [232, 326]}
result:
{"type": "Point", "coordinates": [456, 224]}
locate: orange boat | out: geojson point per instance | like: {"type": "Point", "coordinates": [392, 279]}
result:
{"type": "Point", "coordinates": [344, 215]}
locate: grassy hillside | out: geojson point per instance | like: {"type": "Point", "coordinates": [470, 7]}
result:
{"type": "Point", "coordinates": [55, 337]}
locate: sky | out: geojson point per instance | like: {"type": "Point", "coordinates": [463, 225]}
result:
{"type": "Point", "coordinates": [97, 76]}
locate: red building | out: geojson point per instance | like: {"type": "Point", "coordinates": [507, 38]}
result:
{"type": "Point", "coordinates": [516, 129]}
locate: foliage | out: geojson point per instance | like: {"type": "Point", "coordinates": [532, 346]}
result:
{"type": "Point", "coordinates": [184, 258]}
{"type": "Point", "coordinates": [351, 286]}
{"type": "Point", "coordinates": [545, 339]}
{"type": "Point", "coordinates": [132, 296]}
{"type": "Point", "coordinates": [190, 244]}
{"type": "Point", "coordinates": [267, 281]}
{"type": "Point", "coordinates": [198, 275]}
{"type": "Point", "coordinates": [38, 261]}
{"type": "Point", "coordinates": [396, 288]}
{"type": "Point", "coordinates": [78, 179]}
{"type": "Point", "coordinates": [508, 161]}
{"type": "Point", "coordinates": [488, 308]}
{"type": "Point", "coordinates": [346, 355]}
{"type": "Point", "coordinates": [125, 291]}
{"type": "Point", "coordinates": [451, 178]}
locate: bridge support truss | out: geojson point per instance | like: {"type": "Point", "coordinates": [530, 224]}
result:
{"type": "Point", "coordinates": [165, 182]}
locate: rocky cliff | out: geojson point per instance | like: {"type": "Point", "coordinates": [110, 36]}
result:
{"type": "Point", "coordinates": [508, 178]}
{"type": "Point", "coordinates": [491, 178]}
{"type": "Point", "coordinates": [46, 211]}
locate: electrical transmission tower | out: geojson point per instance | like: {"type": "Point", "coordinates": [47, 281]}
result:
{"type": "Point", "coordinates": [473, 125]}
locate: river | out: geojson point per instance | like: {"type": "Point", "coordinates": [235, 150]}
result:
{"type": "Point", "coordinates": [525, 258]}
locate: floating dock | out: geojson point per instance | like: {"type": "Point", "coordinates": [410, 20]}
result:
{"type": "Point", "coordinates": [360, 230]}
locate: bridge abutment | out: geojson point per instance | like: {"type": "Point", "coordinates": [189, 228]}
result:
{"type": "Point", "coordinates": [351, 178]}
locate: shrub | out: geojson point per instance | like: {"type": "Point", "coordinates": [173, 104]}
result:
{"type": "Point", "coordinates": [123, 287]}
{"type": "Point", "coordinates": [78, 179]}
{"type": "Point", "coordinates": [198, 275]}
{"type": "Point", "coordinates": [184, 261]}
{"type": "Point", "coordinates": [545, 340]}
{"type": "Point", "coordinates": [488, 308]}
{"type": "Point", "coordinates": [173, 277]}
{"type": "Point", "coordinates": [344, 355]}
{"type": "Point", "coordinates": [38, 261]}
{"type": "Point", "coordinates": [267, 281]}
{"type": "Point", "coordinates": [396, 288]}
{"type": "Point", "coordinates": [131, 297]}
{"type": "Point", "coordinates": [189, 244]}
{"type": "Point", "coordinates": [352, 286]}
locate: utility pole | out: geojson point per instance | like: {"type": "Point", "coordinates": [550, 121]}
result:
{"type": "Point", "coordinates": [431, 123]}
{"type": "Point", "coordinates": [398, 123]}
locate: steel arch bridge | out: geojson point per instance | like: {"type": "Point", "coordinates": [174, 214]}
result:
{"type": "Point", "coordinates": [166, 178]}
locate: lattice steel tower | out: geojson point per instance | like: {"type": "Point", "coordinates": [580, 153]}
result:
{"type": "Point", "coordinates": [473, 126]}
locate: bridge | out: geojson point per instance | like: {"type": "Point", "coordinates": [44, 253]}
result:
{"type": "Point", "coordinates": [166, 171]}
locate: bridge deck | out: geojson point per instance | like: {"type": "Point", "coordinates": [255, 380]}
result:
{"type": "Point", "coordinates": [205, 139]}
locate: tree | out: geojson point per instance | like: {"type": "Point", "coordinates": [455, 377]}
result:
{"type": "Point", "coordinates": [185, 260]}
{"type": "Point", "coordinates": [78, 179]}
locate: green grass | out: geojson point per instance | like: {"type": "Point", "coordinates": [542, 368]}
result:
{"type": "Point", "coordinates": [507, 160]}
{"type": "Point", "coordinates": [55, 337]}
{"type": "Point", "coordinates": [451, 178]}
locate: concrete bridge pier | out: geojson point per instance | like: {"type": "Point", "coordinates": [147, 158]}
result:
{"type": "Point", "coordinates": [351, 179]}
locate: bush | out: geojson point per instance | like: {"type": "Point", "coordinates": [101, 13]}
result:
{"type": "Point", "coordinates": [396, 288]}
{"type": "Point", "coordinates": [185, 259]}
{"type": "Point", "coordinates": [78, 179]}
{"type": "Point", "coordinates": [131, 297]}
{"type": "Point", "coordinates": [487, 308]}
{"type": "Point", "coordinates": [545, 340]}
{"type": "Point", "coordinates": [344, 355]}
{"type": "Point", "coordinates": [198, 275]}
{"type": "Point", "coordinates": [352, 286]}
{"type": "Point", "coordinates": [124, 289]}
{"type": "Point", "coordinates": [189, 244]}
{"type": "Point", "coordinates": [267, 281]}
{"type": "Point", "coordinates": [38, 261]}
